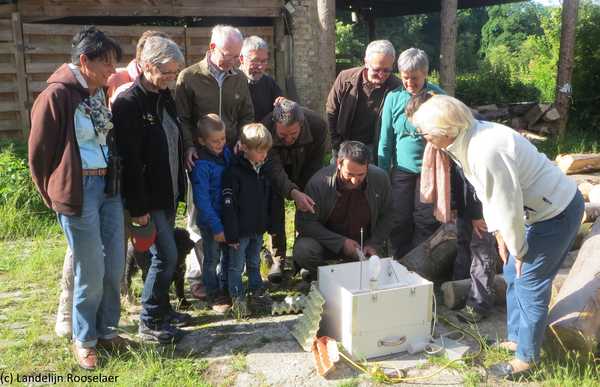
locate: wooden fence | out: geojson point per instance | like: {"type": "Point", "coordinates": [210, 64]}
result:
{"type": "Point", "coordinates": [30, 52]}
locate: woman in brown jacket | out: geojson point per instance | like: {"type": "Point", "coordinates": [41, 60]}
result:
{"type": "Point", "coordinates": [69, 159]}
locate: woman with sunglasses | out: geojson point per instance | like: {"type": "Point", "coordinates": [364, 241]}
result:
{"type": "Point", "coordinates": [149, 141]}
{"type": "Point", "coordinates": [401, 150]}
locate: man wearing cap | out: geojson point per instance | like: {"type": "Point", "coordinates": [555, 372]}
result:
{"type": "Point", "coordinates": [300, 140]}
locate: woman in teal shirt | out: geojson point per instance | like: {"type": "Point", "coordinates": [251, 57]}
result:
{"type": "Point", "coordinates": [401, 150]}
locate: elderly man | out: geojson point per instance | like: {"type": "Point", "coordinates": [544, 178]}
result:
{"type": "Point", "coordinates": [263, 88]}
{"type": "Point", "coordinates": [214, 86]}
{"type": "Point", "coordinates": [353, 202]}
{"type": "Point", "coordinates": [356, 98]}
{"type": "Point", "coordinates": [300, 140]}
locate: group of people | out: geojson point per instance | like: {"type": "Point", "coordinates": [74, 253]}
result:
{"type": "Point", "coordinates": [113, 152]}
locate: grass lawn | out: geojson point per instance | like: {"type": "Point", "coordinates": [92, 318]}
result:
{"type": "Point", "coordinates": [30, 269]}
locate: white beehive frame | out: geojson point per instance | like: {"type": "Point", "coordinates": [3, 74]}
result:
{"type": "Point", "coordinates": [380, 321]}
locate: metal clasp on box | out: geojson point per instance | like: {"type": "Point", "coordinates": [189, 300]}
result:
{"type": "Point", "coordinates": [412, 291]}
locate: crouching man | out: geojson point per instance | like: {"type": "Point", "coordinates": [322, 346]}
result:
{"type": "Point", "coordinates": [351, 198]}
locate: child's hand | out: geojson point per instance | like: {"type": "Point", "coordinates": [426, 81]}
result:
{"type": "Point", "coordinates": [234, 245]}
{"type": "Point", "coordinates": [220, 237]}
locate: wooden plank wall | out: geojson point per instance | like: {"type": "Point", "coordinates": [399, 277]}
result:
{"type": "Point", "coordinates": [52, 9]}
{"type": "Point", "coordinates": [47, 46]}
{"type": "Point", "coordinates": [10, 116]}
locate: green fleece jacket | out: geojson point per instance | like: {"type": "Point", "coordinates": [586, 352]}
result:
{"type": "Point", "coordinates": [322, 189]}
{"type": "Point", "coordinates": [399, 147]}
{"type": "Point", "coordinates": [198, 93]}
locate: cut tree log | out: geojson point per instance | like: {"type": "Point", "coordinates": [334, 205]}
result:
{"type": "Point", "coordinates": [593, 178]}
{"type": "Point", "coordinates": [574, 319]}
{"type": "Point", "coordinates": [592, 212]}
{"type": "Point", "coordinates": [585, 189]}
{"type": "Point", "coordinates": [551, 115]}
{"type": "Point", "coordinates": [594, 195]}
{"type": "Point", "coordinates": [456, 292]}
{"type": "Point", "coordinates": [434, 258]}
{"type": "Point", "coordinates": [578, 162]}
{"type": "Point", "coordinates": [535, 113]}
{"type": "Point", "coordinates": [584, 231]}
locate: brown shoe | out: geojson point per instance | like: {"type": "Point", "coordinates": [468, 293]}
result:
{"type": "Point", "coordinates": [198, 291]}
{"type": "Point", "coordinates": [116, 344]}
{"type": "Point", "coordinates": [222, 304]}
{"type": "Point", "coordinates": [85, 357]}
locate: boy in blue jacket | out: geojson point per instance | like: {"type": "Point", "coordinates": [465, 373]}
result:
{"type": "Point", "coordinates": [213, 157]}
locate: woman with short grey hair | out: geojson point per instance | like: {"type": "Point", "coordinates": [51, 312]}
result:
{"type": "Point", "coordinates": [528, 203]}
{"type": "Point", "coordinates": [401, 151]}
{"type": "Point", "coordinates": [154, 181]}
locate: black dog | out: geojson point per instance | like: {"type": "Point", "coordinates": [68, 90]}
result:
{"type": "Point", "coordinates": [135, 261]}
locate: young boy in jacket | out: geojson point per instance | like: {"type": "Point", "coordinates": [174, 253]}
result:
{"type": "Point", "coordinates": [247, 212]}
{"type": "Point", "coordinates": [213, 157]}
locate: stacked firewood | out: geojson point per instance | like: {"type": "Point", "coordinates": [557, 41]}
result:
{"type": "Point", "coordinates": [541, 118]}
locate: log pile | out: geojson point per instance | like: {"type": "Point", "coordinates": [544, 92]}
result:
{"type": "Point", "coordinates": [574, 318]}
{"type": "Point", "coordinates": [534, 117]}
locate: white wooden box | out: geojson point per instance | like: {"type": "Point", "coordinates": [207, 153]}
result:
{"type": "Point", "coordinates": [380, 321]}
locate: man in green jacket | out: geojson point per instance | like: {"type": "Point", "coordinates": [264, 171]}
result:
{"type": "Point", "coordinates": [213, 85]}
{"type": "Point", "coordinates": [353, 204]}
{"type": "Point", "coordinates": [300, 140]}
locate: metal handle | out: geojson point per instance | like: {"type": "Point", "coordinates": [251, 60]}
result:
{"type": "Point", "coordinates": [392, 342]}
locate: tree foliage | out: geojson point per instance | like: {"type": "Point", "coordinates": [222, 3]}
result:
{"type": "Point", "coordinates": [504, 53]}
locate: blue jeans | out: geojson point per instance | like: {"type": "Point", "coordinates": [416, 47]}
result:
{"type": "Point", "coordinates": [249, 253]}
{"type": "Point", "coordinates": [528, 296]}
{"type": "Point", "coordinates": [96, 240]}
{"type": "Point", "coordinates": [214, 254]}
{"type": "Point", "coordinates": [156, 306]}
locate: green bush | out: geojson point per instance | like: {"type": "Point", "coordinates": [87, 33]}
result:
{"type": "Point", "coordinates": [22, 211]}
{"type": "Point", "coordinates": [493, 84]}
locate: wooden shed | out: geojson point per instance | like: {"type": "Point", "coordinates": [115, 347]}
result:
{"type": "Point", "coordinates": [35, 38]}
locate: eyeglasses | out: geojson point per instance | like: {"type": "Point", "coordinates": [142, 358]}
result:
{"type": "Point", "coordinates": [226, 58]}
{"type": "Point", "coordinates": [385, 70]}
{"type": "Point", "coordinates": [175, 73]}
{"type": "Point", "coordinates": [257, 62]}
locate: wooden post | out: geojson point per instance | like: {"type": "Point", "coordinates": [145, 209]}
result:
{"type": "Point", "coordinates": [22, 92]}
{"type": "Point", "coordinates": [326, 14]}
{"type": "Point", "coordinates": [279, 52]}
{"type": "Point", "coordinates": [370, 16]}
{"type": "Point", "coordinates": [565, 63]}
{"type": "Point", "coordinates": [448, 46]}
{"type": "Point", "coordinates": [187, 41]}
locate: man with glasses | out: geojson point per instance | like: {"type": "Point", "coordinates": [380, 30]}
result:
{"type": "Point", "coordinates": [356, 97]}
{"type": "Point", "coordinates": [263, 88]}
{"type": "Point", "coordinates": [213, 85]}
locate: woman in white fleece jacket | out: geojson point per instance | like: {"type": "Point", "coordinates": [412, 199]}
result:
{"type": "Point", "coordinates": [531, 206]}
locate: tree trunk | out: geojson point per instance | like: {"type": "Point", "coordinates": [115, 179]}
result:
{"type": "Point", "coordinates": [565, 62]}
{"type": "Point", "coordinates": [448, 46]}
{"type": "Point", "coordinates": [574, 319]}
{"type": "Point", "coordinates": [456, 292]}
{"type": "Point", "coordinates": [434, 258]}
{"type": "Point", "coordinates": [326, 13]}
{"type": "Point", "coordinates": [578, 162]}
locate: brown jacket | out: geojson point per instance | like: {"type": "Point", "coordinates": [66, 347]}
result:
{"type": "Point", "coordinates": [54, 158]}
{"type": "Point", "coordinates": [341, 104]}
{"type": "Point", "coordinates": [198, 93]}
{"type": "Point", "coordinates": [304, 157]}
